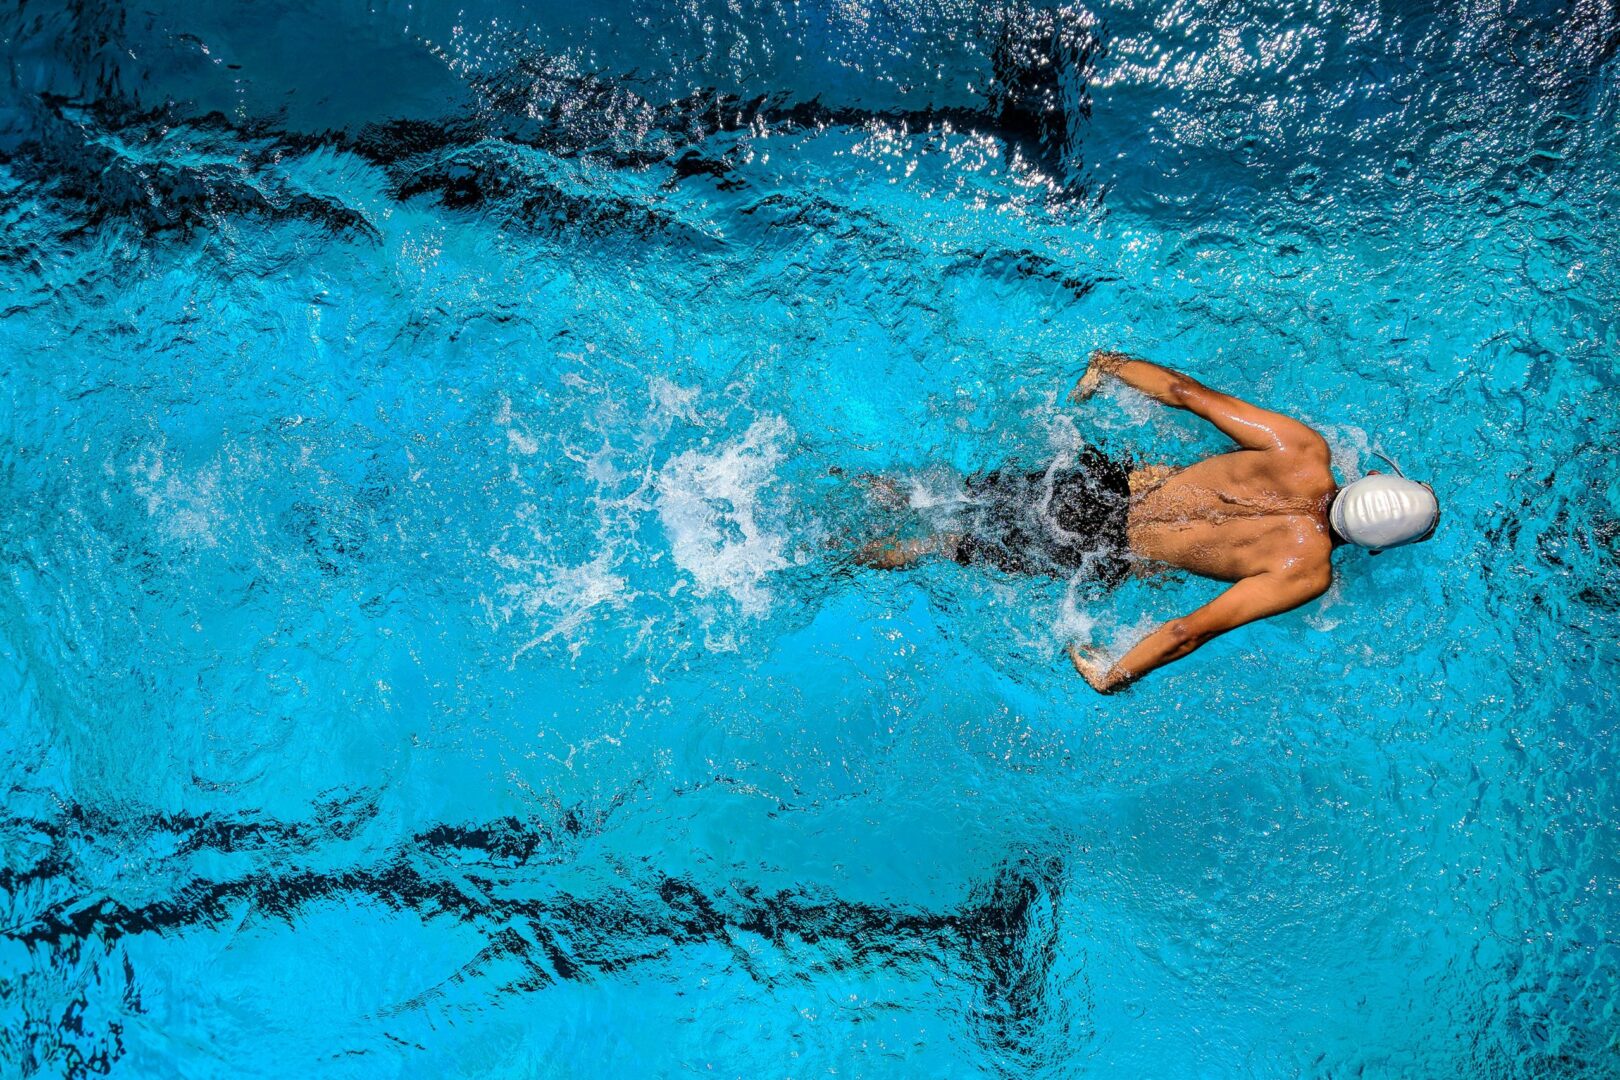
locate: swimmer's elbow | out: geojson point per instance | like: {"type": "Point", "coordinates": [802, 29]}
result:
{"type": "Point", "coordinates": [1311, 584]}
{"type": "Point", "coordinates": [1185, 637]}
{"type": "Point", "coordinates": [1184, 391]}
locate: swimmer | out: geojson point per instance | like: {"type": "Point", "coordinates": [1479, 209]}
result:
{"type": "Point", "coordinates": [1265, 517]}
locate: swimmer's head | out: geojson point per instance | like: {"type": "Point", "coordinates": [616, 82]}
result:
{"type": "Point", "coordinates": [1380, 511]}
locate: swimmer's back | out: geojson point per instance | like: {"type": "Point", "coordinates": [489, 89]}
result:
{"type": "Point", "coordinates": [1240, 514]}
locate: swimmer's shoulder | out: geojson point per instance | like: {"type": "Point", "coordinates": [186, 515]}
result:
{"type": "Point", "coordinates": [1305, 464]}
{"type": "Point", "coordinates": [1306, 563]}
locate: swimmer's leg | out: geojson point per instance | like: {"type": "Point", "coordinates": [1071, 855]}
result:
{"type": "Point", "coordinates": [892, 496]}
{"type": "Point", "coordinates": [895, 554]}
{"type": "Point", "coordinates": [885, 491]}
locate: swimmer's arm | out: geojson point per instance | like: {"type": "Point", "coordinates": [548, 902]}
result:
{"type": "Point", "coordinates": [1250, 599]}
{"type": "Point", "coordinates": [1250, 426]}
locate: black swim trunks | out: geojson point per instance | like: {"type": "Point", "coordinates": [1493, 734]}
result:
{"type": "Point", "coordinates": [1056, 523]}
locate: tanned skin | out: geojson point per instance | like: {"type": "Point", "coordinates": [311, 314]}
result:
{"type": "Point", "coordinates": [1256, 516]}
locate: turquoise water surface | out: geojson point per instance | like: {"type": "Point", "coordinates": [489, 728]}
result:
{"type": "Point", "coordinates": [428, 642]}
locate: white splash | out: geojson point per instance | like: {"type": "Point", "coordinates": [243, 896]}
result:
{"type": "Point", "coordinates": [1063, 435]}
{"type": "Point", "coordinates": [1074, 623]}
{"type": "Point", "coordinates": [567, 595]}
{"type": "Point", "coordinates": [1137, 407]}
{"type": "Point", "coordinates": [1126, 636]}
{"type": "Point", "coordinates": [671, 401]}
{"type": "Point", "coordinates": [1320, 616]}
{"type": "Point", "coordinates": [1077, 625]}
{"type": "Point", "coordinates": [935, 490]}
{"type": "Point", "coordinates": [709, 505]}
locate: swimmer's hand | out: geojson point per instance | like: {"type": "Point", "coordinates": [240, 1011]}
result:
{"type": "Point", "coordinates": [1101, 363]}
{"type": "Point", "coordinates": [1092, 666]}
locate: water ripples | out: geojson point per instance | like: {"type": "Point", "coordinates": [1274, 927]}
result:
{"type": "Point", "coordinates": [432, 437]}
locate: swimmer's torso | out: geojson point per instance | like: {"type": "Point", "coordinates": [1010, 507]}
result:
{"type": "Point", "coordinates": [1235, 515]}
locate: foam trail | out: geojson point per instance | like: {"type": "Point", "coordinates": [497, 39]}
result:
{"type": "Point", "coordinates": [709, 504]}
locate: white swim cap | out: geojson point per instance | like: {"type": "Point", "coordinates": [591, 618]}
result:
{"type": "Point", "coordinates": [1381, 511]}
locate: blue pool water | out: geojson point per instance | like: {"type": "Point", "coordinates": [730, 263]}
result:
{"type": "Point", "coordinates": [426, 647]}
